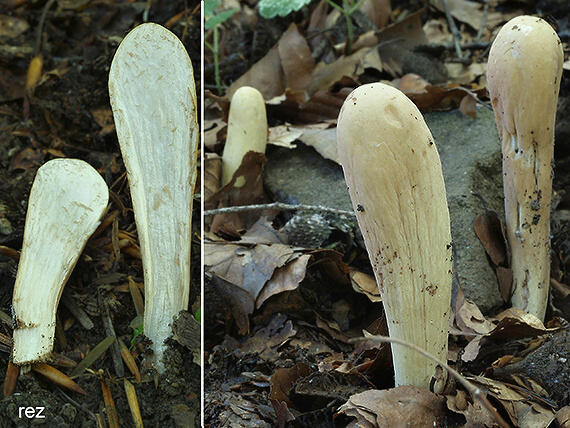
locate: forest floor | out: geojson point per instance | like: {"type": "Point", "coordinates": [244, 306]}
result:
{"type": "Point", "coordinates": [288, 293]}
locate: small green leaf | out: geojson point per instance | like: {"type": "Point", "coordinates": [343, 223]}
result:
{"type": "Point", "coordinates": [210, 6]}
{"type": "Point", "coordinates": [138, 328]}
{"type": "Point", "coordinates": [198, 315]}
{"type": "Point", "coordinates": [271, 8]}
{"type": "Point", "coordinates": [220, 18]}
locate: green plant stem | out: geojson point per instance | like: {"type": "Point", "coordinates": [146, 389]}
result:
{"type": "Point", "coordinates": [215, 51]}
{"type": "Point", "coordinates": [217, 61]}
{"type": "Point", "coordinates": [349, 27]}
{"type": "Point", "coordinates": [347, 10]}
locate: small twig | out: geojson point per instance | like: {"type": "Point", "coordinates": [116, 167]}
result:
{"type": "Point", "coordinates": [453, 28]}
{"type": "Point", "coordinates": [464, 46]}
{"type": "Point", "coordinates": [483, 21]}
{"type": "Point", "coordinates": [279, 206]}
{"type": "Point", "coordinates": [38, 43]}
{"type": "Point", "coordinates": [82, 407]}
{"type": "Point", "coordinates": [79, 314]}
{"type": "Point", "coordinates": [477, 393]}
{"type": "Point", "coordinates": [110, 331]}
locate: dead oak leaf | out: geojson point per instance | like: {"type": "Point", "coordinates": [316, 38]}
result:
{"type": "Point", "coordinates": [401, 406]}
{"type": "Point", "coordinates": [287, 65]}
{"type": "Point", "coordinates": [246, 276]}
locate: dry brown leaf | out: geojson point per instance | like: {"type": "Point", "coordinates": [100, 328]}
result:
{"type": "Point", "coordinates": [245, 275]}
{"type": "Point", "coordinates": [379, 11]}
{"type": "Point", "coordinates": [237, 300]}
{"type": "Point", "coordinates": [326, 75]}
{"type": "Point", "coordinates": [27, 158]}
{"type": "Point", "coordinates": [224, 261]}
{"type": "Point", "coordinates": [212, 178]}
{"type": "Point", "coordinates": [283, 136]}
{"type": "Point", "coordinates": [252, 192]}
{"type": "Point", "coordinates": [317, 24]}
{"type": "Point", "coordinates": [505, 278]}
{"type": "Point", "coordinates": [322, 140]}
{"type": "Point", "coordinates": [332, 328]}
{"type": "Point", "coordinates": [437, 31]}
{"type": "Point", "coordinates": [475, 415]}
{"type": "Point", "coordinates": [287, 65]}
{"type": "Point", "coordinates": [331, 266]}
{"type": "Point", "coordinates": [212, 128]}
{"type": "Point", "coordinates": [404, 406]}
{"type": "Point", "coordinates": [282, 381]}
{"type": "Point", "coordinates": [285, 278]}
{"type": "Point", "coordinates": [468, 316]}
{"type": "Point", "coordinates": [365, 284]}
{"type": "Point", "coordinates": [438, 97]}
{"type": "Point", "coordinates": [464, 75]}
{"type": "Point", "coordinates": [397, 40]}
{"type": "Point", "coordinates": [470, 319]}
{"type": "Point", "coordinates": [465, 11]}
{"type": "Point", "coordinates": [266, 340]}
{"type": "Point", "coordinates": [522, 412]}
{"type": "Point", "coordinates": [561, 301]}
{"type": "Point", "coordinates": [104, 118]}
{"type": "Point", "coordinates": [262, 232]}
{"type": "Point", "coordinates": [296, 59]}
{"type": "Point", "coordinates": [468, 106]}
{"type": "Point", "coordinates": [489, 229]}
{"type": "Point", "coordinates": [266, 75]}
{"type": "Point", "coordinates": [321, 107]}
{"type": "Point", "coordinates": [514, 323]}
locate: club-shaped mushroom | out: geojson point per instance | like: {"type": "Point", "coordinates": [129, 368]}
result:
{"type": "Point", "coordinates": [67, 199]}
{"type": "Point", "coordinates": [523, 74]}
{"type": "Point", "coordinates": [247, 131]}
{"type": "Point", "coordinates": [394, 177]}
{"type": "Point", "coordinates": [153, 96]}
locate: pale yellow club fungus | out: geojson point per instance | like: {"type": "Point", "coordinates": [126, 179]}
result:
{"type": "Point", "coordinates": [523, 74]}
{"type": "Point", "coordinates": [394, 177]}
{"type": "Point", "coordinates": [247, 131]}
{"type": "Point", "coordinates": [153, 96]}
{"type": "Point", "coordinates": [67, 199]}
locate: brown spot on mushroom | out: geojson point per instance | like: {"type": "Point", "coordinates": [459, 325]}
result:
{"type": "Point", "coordinates": [431, 289]}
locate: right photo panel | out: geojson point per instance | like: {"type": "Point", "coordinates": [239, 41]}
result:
{"type": "Point", "coordinates": [386, 213]}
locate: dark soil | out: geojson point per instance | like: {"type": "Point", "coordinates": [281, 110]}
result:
{"type": "Point", "coordinates": [68, 115]}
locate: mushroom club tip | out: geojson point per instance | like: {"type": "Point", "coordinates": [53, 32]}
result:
{"type": "Point", "coordinates": [247, 131]}
{"type": "Point", "coordinates": [523, 74]}
{"type": "Point", "coordinates": [394, 176]}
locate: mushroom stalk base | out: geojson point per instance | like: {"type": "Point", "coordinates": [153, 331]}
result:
{"type": "Point", "coordinates": [527, 184]}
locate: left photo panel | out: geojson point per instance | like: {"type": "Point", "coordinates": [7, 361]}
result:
{"type": "Point", "coordinates": [100, 213]}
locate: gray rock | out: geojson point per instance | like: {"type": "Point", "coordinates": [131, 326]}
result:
{"type": "Point", "coordinates": [470, 153]}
